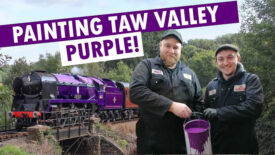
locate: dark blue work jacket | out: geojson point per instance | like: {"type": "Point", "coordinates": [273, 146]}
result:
{"type": "Point", "coordinates": [239, 103]}
{"type": "Point", "coordinates": [154, 87]}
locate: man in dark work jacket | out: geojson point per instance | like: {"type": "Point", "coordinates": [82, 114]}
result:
{"type": "Point", "coordinates": [234, 101]}
{"type": "Point", "coordinates": [166, 91]}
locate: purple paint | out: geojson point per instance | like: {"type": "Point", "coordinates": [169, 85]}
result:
{"type": "Point", "coordinates": [96, 80]}
{"type": "Point", "coordinates": [85, 80]}
{"type": "Point", "coordinates": [66, 78]}
{"type": "Point", "coordinates": [195, 130]}
{"type": "Point", "coordinates": [198, 134]}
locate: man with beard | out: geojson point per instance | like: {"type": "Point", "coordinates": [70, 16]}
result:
{"type": "Point", "coordinates": [234, 101]}
{"type": "Point", "coordinates": [166, 91]}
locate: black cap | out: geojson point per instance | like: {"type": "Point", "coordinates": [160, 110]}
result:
{"type": "Point", "coordinates": [227, 47]}
{"type": "Point", "coordinates": [172, 32]}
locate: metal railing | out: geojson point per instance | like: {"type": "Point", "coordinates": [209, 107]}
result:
{"type": "Point", "coordinates": [6, 123]}
{"type": "Point", "coordinates": [66, 121]}
{"type": "Point", "coordinates": [59, 120]}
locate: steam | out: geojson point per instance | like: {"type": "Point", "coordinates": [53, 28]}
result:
{"type": "Point", "coordinates": [77, 70]}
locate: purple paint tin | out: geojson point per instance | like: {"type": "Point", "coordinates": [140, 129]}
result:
{"type": "Point", "coordinates": [197, 137]}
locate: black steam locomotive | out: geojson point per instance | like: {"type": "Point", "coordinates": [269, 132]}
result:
{"type": "Point", "coordinates": [38, 94]}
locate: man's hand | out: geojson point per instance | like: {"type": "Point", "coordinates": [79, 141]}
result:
{"type": "Point", "coordinates": [180, 109]}
{"type": "Point", "coordinates": [210, 113]}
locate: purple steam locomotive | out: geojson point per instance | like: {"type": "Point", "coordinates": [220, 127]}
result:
{"type": "Point", "coordinates": [38, 93]}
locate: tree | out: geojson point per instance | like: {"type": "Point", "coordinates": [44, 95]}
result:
{"type": "Point", "coordinates": [51, 63]}
{"type": "Point", "coordinates": [203, 44]}
{"type": "Point", "coordinates": [123, 73]}
{"type": "Point", "coordinates": [95, 69]}
{"type": "Point", "coordinates": [19, 68]}
{"type": "Point", "coordinates": [3, 60]}
{"type": "Point", "coordinates": [5, 103]}
{"type": "Point", "coordinates": [258, 27]}
{"type": "Point", "coordinates": [203, 64]}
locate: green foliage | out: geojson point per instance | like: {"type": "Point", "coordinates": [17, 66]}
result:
{"type": "Point", "coordinates": [203, 44]}
{"type": "Point", "coordinates": [122, 73]}
{"type": "Point", "coordinates": [258, 29]}
{"type": "Point", "coordinates": [5, 96]}
{"type": "Point", "coordinates": [115, 135]}
{"type": "Point", "coordinates": [1, 76]}
{"type": "Point", "coordinates": [151, 43]}
{"type": "Point", "coordinates": [95, 69]}
{"type": "Point", "coordinates": [123, 142]}
{"type": "Point", "coordinates": [5, 106]}
{"type": "Point", "coordinates": [12, 150]}
{"type": "Point", "coordinates": [3, 60]}
{"type": "Point", "coordinates": [203, 64]}
{"type": "Point", "coordinates": [51, 63]}
{"type": "Point", "coordinates": [200, 60]}
{"type": "Point", "coordinates": [19, 68]}
{"type": "Point", "coordinates": [52, 140]}
{"type": "Point", "coordinates": [259, 26]}
{"type": "Point", "coordinates": [236, 39]}
{"type": "Point", "coordinates": [99, 126]}
{"type": "Point", "coordinates": [189, 51]}
{"type": "Point", "coordinates": [265, 130]}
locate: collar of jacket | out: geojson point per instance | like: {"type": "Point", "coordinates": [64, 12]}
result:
{"type": "Point", "coordinates": [239, 72]}
{"type": "Point", "coordinates": [158, 61]}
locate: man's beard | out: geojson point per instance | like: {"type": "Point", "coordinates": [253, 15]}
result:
{"type": "Point", "coordinates": [169, 61]}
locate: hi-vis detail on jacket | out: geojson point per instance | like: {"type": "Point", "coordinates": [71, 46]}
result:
{"type": "Point", "coordinates": [187, 76]}
{"type": "Point", "coordinates": [238, 88]}
{"type": "Point", "coordinates": [212, 92]}
{"type": "Point", "coordinates": [156, 71]}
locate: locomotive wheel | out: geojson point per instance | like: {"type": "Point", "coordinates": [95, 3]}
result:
{"type": "Point", "coordinates": [117, 114]}
{"type": "Point", "coordinates": [124, 114]}
{"type": "Point", "coordinates": [111, 116]}
{"type": "Point", "coordinates": [130, 114]}
{"type": "Point", "coordinates": [103, 116]}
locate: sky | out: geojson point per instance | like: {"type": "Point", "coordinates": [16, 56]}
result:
{"type": "Point", "coordinates": [23, 11]}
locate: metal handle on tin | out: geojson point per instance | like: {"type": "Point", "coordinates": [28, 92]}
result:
{"type": "Point", "coordinates": [198, 115]}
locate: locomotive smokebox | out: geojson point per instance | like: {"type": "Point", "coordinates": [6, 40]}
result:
{"type": "Point", "coordinates": [31, 83]}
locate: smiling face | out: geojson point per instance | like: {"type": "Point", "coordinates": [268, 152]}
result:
{"type": "Point", "coordinates": [170, 50]}
{"type": "Point", "coordinates": [227, 61]}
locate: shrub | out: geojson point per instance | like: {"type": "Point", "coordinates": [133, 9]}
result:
{"type": "Point", "coordinates": [12, 150]}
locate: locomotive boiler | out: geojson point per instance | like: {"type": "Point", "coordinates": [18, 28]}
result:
{"type": "Point", "coordinates": [37, 94]}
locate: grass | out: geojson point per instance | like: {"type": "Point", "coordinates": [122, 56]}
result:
{"type": "Point", "coordinates": [23, 146]}
{"type": "Point", "coordinates": [122, 134]}
{"type": "Point", "coordinates": [12, 150]}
